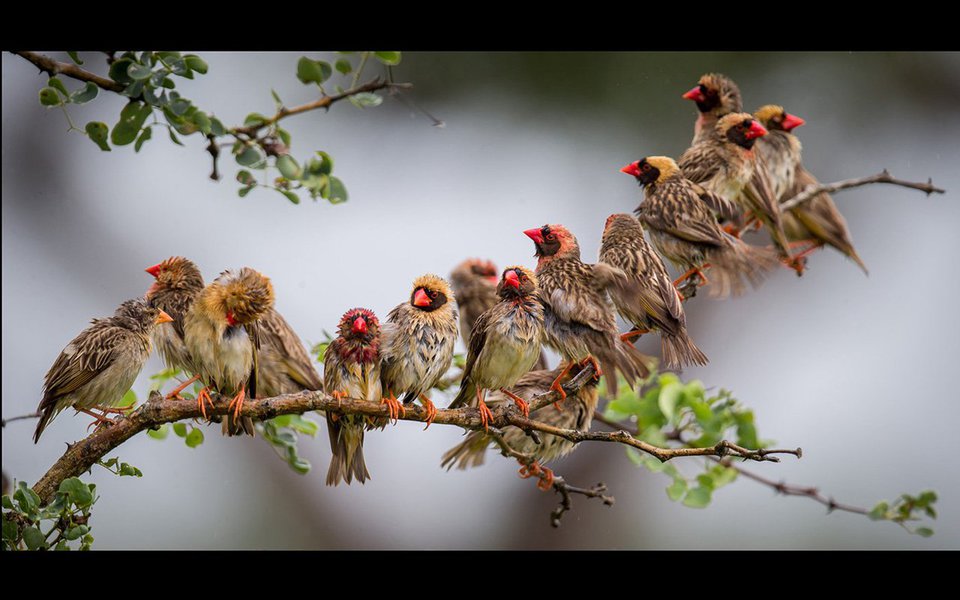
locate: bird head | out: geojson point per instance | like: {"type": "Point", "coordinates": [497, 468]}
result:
{"type": "Point", "coordinates": [517, 281]}
{"type": "Point", "coordinates": [239, 298]}
{"type": "Point", "coordinates": [138, 314]}
{"type": "Point", "coordinates": [430, 292]}
{"type": "Point", "coordinates": [621, 222]}
{"type": "Point", "coordinates": [359, 324]}
{"type": "Point", "coordinates": [175, 273]}
{"type": "Point", "coordinates": [553, 240]}
{"type": "Point", "coordinates": [652, 169]}
{"type": "Point", "coordinates": [741, 129]}
{"type": "Point", "coordinates": [774, 118]}
{"type": "Point", "coordinates": [483, 268]}
{"type": "Point", "coordinates": [716, 94]}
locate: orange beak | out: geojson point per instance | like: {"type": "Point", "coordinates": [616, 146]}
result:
{"type": "Point", "coordinates": [420, 298]}
{"type": "Point", "coordinates": [756, 130]}
{"type": "Point", "coordinates": [695, 94]}
{"type": "Point", "coordinates": [632, 169]}
{"type": "Point", "coordinates": [791, 121]}
{"type": "Point", "coordinates": [154, 270]}
{"type": "Point", "coordinates": [359, 325]}
{"type": "Point", "coordinates": [511, 279]}
{"type": "Point", "coordinates": [534, 234]}
{"type": "Point", "coordinates": [163, 318]}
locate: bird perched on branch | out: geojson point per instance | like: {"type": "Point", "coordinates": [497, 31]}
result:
{"type": "Point", "coordinates": [418, 341]}
{"type": "Point", "coordinates": [505, 342]}
{"type": "Point", "coordinates": [649, 302]}
{"type": "Point", "coordinates": [95, 370]}
{"type": "Point", "coordinates": [285, 366]}
{"type": "Point", "coordinates": [222, 334]}
{"type": "Point", "coordinates": [577, 413]}
{"type": "Point", "coordinates": [816, 221]}
{"type": "Point", "coordinates": [351, 369]}
{"type": "Point", "coordinates": [578, 317]}
{"type": "Point", "coordinates": [716, 96]}
{"type": "Point", "coordinates": [680, 216]}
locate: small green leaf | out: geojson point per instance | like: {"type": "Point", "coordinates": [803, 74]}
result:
{"type": "Point", "coordinates": [202, 121]}
{"type": "Point", "coordinates": [242, 192]}
{"type": "Point", "coordinates": [669, 398]}
{"type": "Point", "coordinates": [167, 83]}
{"type": "Point", "coordinates": [302, 466]}
{"type": "Point", "coordinates": [33, 538]}
{"type": "Point", "coordinates": [161, 433]}
{"type": "Point", "coordinates": [284, 136]}
{"type": "Point", "coordinates": [677, 489]}
{"type": "Point", "coordinates": [388, 57]}
{"type": "Point", "coordinates": [7, 502]}
{"type": "Point", "coordinates": [50, 97]}
{"type": "Point", "coordinates": [118, 71]}
{"type": "Point", "coordinates": [698, 497]}
{"type": "Point", "coordinates": [180, 429]}
{"type": "Point", "coordinates": [88, 93]}
{"type": "Point", "coordinates": [249, 157]}
{"type": "Point", "coordinates": [9, 530]}
{"type": "Point", "coordinates": [55, 83]}
{"type": "Point", "coordinates": [254, 119]}
{"type": "Point", "coordinates": [216, 127]}
{"type": "Point", "coordinates": [145, 135]}
{"type": "Point", "coordinates": [128, 470]}
{"type": "Point", "coordinates": [338, 191]}
{"type": "Point", "coordinates": [138, 72]}
{"type": "Point", "coordinates": [26, 498]}
{"type": "Point", "coordinates": [291, 196]}
{"type": "Point", "coordinates": [74, 57]}
{"type": "Point", "coordinates": [245, 177]}
{"type": "Point", "coordinates": [173, 137]}
{"type": "Point", "coordinates": [879, 511]}
{"type": "Point", "coordinates": [276, 97]}
{"type": "Point", "coordinates": [343, 65]}
{"type": "Point", "coordinates": [304, 425]}
{"type": "Point", "coordinates": [132, 117]}
{"type": "Point", "coordinates": [74, 533]}
{"type": "Point", "coordinates": [78, 492]}
{"type": "Point", "coordinates": [98, 134]}
{"type": "Point", "coordinates": [194, 438]}
{"type": "Point", "coordinates": [365, 99]}
{"type": "Point", "coordinates": [130, 398]}
{"type": "Point", "coordinates": [288, 167]}
{"type": "Point", "coordinates": [195, 63]}
{"type": "Point", "coordinates": [923, 531]}
{"type": "Point", "coordinates": [313, 71]}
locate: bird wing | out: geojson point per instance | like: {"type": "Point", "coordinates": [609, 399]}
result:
{"type": "Point", "coordinates": [295, 361]}
{"type": "Point", "coordinates": [654, 295]}
{"type": "Point", "coordinates": [700, 162]}
{"type": "Point", "coordinates": [253, 331]}
{"type": "Point", "coordinates": [89, 354]}
{"type": "Point", "coordinates": [478, 339]}
{"type": "Point", "coordinates": [723, 208]}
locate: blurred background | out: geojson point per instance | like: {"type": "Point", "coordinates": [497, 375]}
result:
{"type": "Point", "coordinates": [854, 369]}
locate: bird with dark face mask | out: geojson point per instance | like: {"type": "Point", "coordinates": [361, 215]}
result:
{"type": "Point", "coordinates": [351, 369]}
{"type": "Point", "coordinates": [505, 342]}
{"type": "Point", "coordinates": [716, 96]}
{"type": "Point", "coordinates": [681, 218]}
{"type": "Point", "coordinates": [816, 222]}
{"type": "Point", "coordinates": [95, 370]}
{"type": "Point", "coordinates": [418, 342]}
{"type": "Point", "coordinates": [578, 317]}
{"type": "Point", "coordinates": [222, 335]}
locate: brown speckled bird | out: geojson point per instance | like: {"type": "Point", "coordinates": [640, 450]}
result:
{"type": "Point", "coordinates": [578, 317]}
{"type": "Point", "coordinates": [351, 369]}
{"type": "Point", "coordinates": [577, 413]}
{"type": "Point", "coordinates": [650, 302]}
{"type": "Point", "coordinates": [222, 334]}
{"type": "Point", "coordinates": [418, 341]}
{"type": "Point", "coordinates": [716, 96]}
{"type": "Point", "coordinates": [505, 342]}
{"type": "Point", "coordinates": [177, 284]}
{"type": "Point", "coordinates": [680, 216]}
{"type": "Point", "coordinates": [817, 221]}
{"type": "Point", "coordinates": [97, 367]}
{"type": "Point", "coordinates": [285, 366]}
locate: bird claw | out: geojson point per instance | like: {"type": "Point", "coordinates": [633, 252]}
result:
{"type": "Point", "coordinates": [175, 392]}
{"type": "Point", "coordinates": [520, 402]}
{"type": "Point", "coordinates": [236, 405]}
{"type": "Point", "coordinates": [430, 408]}
{"type": "Point", "coordinates": [339, 396]}
{"type": "Point", "coordinates": [535, 469]}
{"type": "Point", "coordinates": [485, 415]}
{"type": "Point", "coordinates": [394, 407]}
{"type": "Point", "coordinates": [203, 398]}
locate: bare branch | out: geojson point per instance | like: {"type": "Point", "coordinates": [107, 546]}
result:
{"type": "Point", "coordinates": [35, 415]}
{"type": "Point", "coordinates": [883, 177]}
{"type": "Point", "coordinates": [55, 67]}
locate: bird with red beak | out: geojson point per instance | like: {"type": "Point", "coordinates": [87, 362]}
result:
{"type": "Point", "coordinates": [474, 282]}
{"type": "Point", "coordinates": [716, 96]}
{"type": "Point", "coordinates": [419, 337]}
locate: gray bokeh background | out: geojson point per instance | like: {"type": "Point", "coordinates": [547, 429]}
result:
{"type": "Point", "coordinates": [855, 369]}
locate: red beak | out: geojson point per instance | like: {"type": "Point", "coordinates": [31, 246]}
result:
{"type": "Point", "coordinates": [231, 320]}
{"type": "Point", "coordinates": [491, 278]}
{"type": "Point", "coordinates": [534, 234]}
{"type": "Point", "coordinates": [359, 325]}
{"type": "Point", "coordinates": [756, 130]}
{"type": "Point", "coordinates": [511, 279]}
{"type": "Point", "coordinates": [791, 121]}
{"type": "Point", "coordinates": [154, 270]}
{"type": "Point", "coordinates": [695, 94]}
{"type": "Point", "coordinates": [632, 169]}
{"type": "Point", "coordinates": [420, 298]}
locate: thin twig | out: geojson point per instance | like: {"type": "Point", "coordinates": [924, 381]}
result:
{"type": "Point", "coordinates": [813, 190]}
{"type": "Point", "coordinates": [35, 415]}
{"type": "Point", "coordinates": [55, 67]}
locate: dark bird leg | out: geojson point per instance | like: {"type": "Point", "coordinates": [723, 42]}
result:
{"type": "Point", "coordinates": [236, 405]}
{"type": "Point", "coordinates": [485, 415]}
{"type": "Point", "coordinates": [430, 408]}
{"type": "Point", "coordinates": [175, 392]}
{"type": "Point", "coordinates": [520, 402]}
{"type": "Point", "coordinates": [203, 398]}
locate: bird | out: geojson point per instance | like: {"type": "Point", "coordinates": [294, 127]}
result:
{"type": "Point", "coordinates": [681, 218]}
{"type": "Point", "coordinates": [285, 366]}
{"type": "Point", "coordinates": [351, 369]}
{"type": "Point", "coordinates": [726, 164]}
{"type": "Point", "coordinates": [577, 413]}
{"type": "Point", "coordinates": [222, 335]}
{"type": "Point", "coordinates": [97, 367]}
{"type": "Point", "coordinates": [578, 317]}
{"type": "Point", "coordinates": [418, 342]}
{"type": "Point", "coordinates": [817, 221]}
{"type": "Point", "coordinates": [716, 96]}
{"type": "Point", "coordinates": [505, 342]}
{"type": "Point", "coordinates": [651, 302]}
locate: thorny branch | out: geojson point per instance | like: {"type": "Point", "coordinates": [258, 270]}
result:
{"type": "Point", "coordinates": [883, 177]}
{"type": "Point", "coordinates": [55, 67]}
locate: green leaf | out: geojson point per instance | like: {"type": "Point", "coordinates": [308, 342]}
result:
{"type": "Point", "coordinates": [388, 57]}
{"type": "Point", "coordinates": [167, 83]}
{"type": "Point", "coordinates": [879, 512]}
{"type": "Point", "coordinates": [313, 71]}
{"type": "Point", "coordinates": [109, 463]}
{"type": "Point", "coordinates": [669, 398]}
{"type": "Point", "coordinates": [276, 97]}
{"type": "Point", "coordinates": [138, 72]}
{"type": "Point", "coordinates": [326, 162]}
{"type": "Point", "coordinates": [195, 63]}
{"type": "Point", "coordinates": [180, 429]}
{"type": "Point", "coordinates": [284, 136]}
{"type": "Point", "coordinates": [26, 498]}
{"type": "Point", "coordinates": [304, 425]}
{"type": "Point", "coordinates": [128, 470]}
{"type": "Point", "coordinates": [246, 178]}
{"type": "Point", "coordinates": [923, 531]}
{"type": "Point", "coordinates": [74, 57]}
{"type": "Point", "coordinates": [202, 121]}
{"type": "Point", "coordinates": [364, 99]}
{"type": "Point", "coordinates": [173, 138]}
{"type": "Point", "coordinates": [244, 191]}
{"type": "Point", "coordinates": [194, 438]}
{"type": "Point", "coordinates": [7, 502]}
{"type": "Point", "coordinates": [723, 476]}
{"type": "Point", "coordinates": [677, 489]}
{"type": "Point", "coordinates": [118, 71]}
{"type": "Point", "coordinates": [288, 167]}
{"type": "Point", "coordinates": [338, 191]}
{"type": "Point", "coordinates": [698, 497]}
{"type": "Point", "coordinates": [254, 119]}
{"type": "Point", "coordinates": [132, 117]}
{"type": "Point", "coordinates": [55, 83]}
{"type": "Point", "coordinates": [216, 127]}
{"type": "Point", "coordinates": [302, 466]}
{"type": "Point", "coordinates": [78, 492]}
{"type": "Point", "coordinates": [98, 134]}
{"type": "Point", "coordinates": [9, 530]}
{"type": "Point", "coordinates": [343, 65]}
{"type": "Point", "coordinates": [291, 196]}
{"type": "Point", "coordinates": [33, 538]}
{"type": "Point", "coordinates": [145, 135]}
{"type": "Point", "coordinates": [249, 157]}
{"type": "Point", "coordinates": [168, 56]}
{"type": "Point", "coordinates": [161, 433]}
{"type": "Point", "coordinates": [50, 97]}
{"type": "Point", "coordinates": [130, 398]}
{"type": "Point", "coordinates": [88, 93]}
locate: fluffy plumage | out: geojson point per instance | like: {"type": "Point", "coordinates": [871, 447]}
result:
{"type": "Point", "coordinates": [649, 301]}
{"type": "Point", "coordinates": [285, 366]}
{"type": "Point", "coordinates": [474, 283]}
{"type": "Point", "coordinates": [716, 96]}
{"type": "Point", "coordinates": [98, 366]}
{"type": "Point", "coordinates": [178, 283]}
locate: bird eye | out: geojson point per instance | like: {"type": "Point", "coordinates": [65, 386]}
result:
{"type": "Point", "coordinates": [703, 89]}
{"type": "Point", "coordinates": [433, 294]}
{"type": "Point", "coordinates": [551, 237]}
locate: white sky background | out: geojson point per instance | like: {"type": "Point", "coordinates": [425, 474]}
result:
{"type": "Point", "coordinates": [854, 369]}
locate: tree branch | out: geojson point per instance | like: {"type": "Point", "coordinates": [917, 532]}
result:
{"type": "Point", "coordinates": [55, 67]}
{"type": "Point", "coordinates": [883, 177]}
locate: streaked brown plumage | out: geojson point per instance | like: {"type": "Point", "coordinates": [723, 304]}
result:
{"type": "Point", "coordinates": [97, 367]}
{"type": "Point", "coordinates": [726, 164]}
{"type": "Point", "coordinates": [680, 217]}
{"type": "Point", "coordinates": [650, 302]}
{"type": "Point", "coordinates": [818, 220]}
{"type": "Point", "coordinates": [716, 96]}
{"type": "Point", "coordinates": [505, 342]}
{"type": "Point", "coordinates": [578, 317]}
{"type": "Point", "coordinates": [178, 283]}
{"type": "Point", "coordinates": [577, 413]}
{"type": "Point", "coordinates": [221, 332]}
{"type": "Point", "coordinates": [418, 342]}
{"type": "Point", "coordinates": [285, 366]}
{"type": "Point", "coordinates": [351, 369]}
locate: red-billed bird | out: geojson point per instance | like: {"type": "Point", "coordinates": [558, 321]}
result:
{"type": "Point", "coordinates": [817, 221]}
{"type": "Point", "coordinates": [505, 342]}
{"type": "Point", "coordinates": [578, 317]}
{"type": "Point", "coordinates": [680, 216]}
{"type": "Point", "coordinates": [351, 369]}
{"type": "Point", "coordinates": [97, 367]}
{"type": "Point", "coordinates": [649, 302]}
{"type": "Point", "coordinates": [716, 96]}
{"type": "Point", "coordinates": [418, 341]}
{"type": "Point", "coordinates": [221, 332]}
